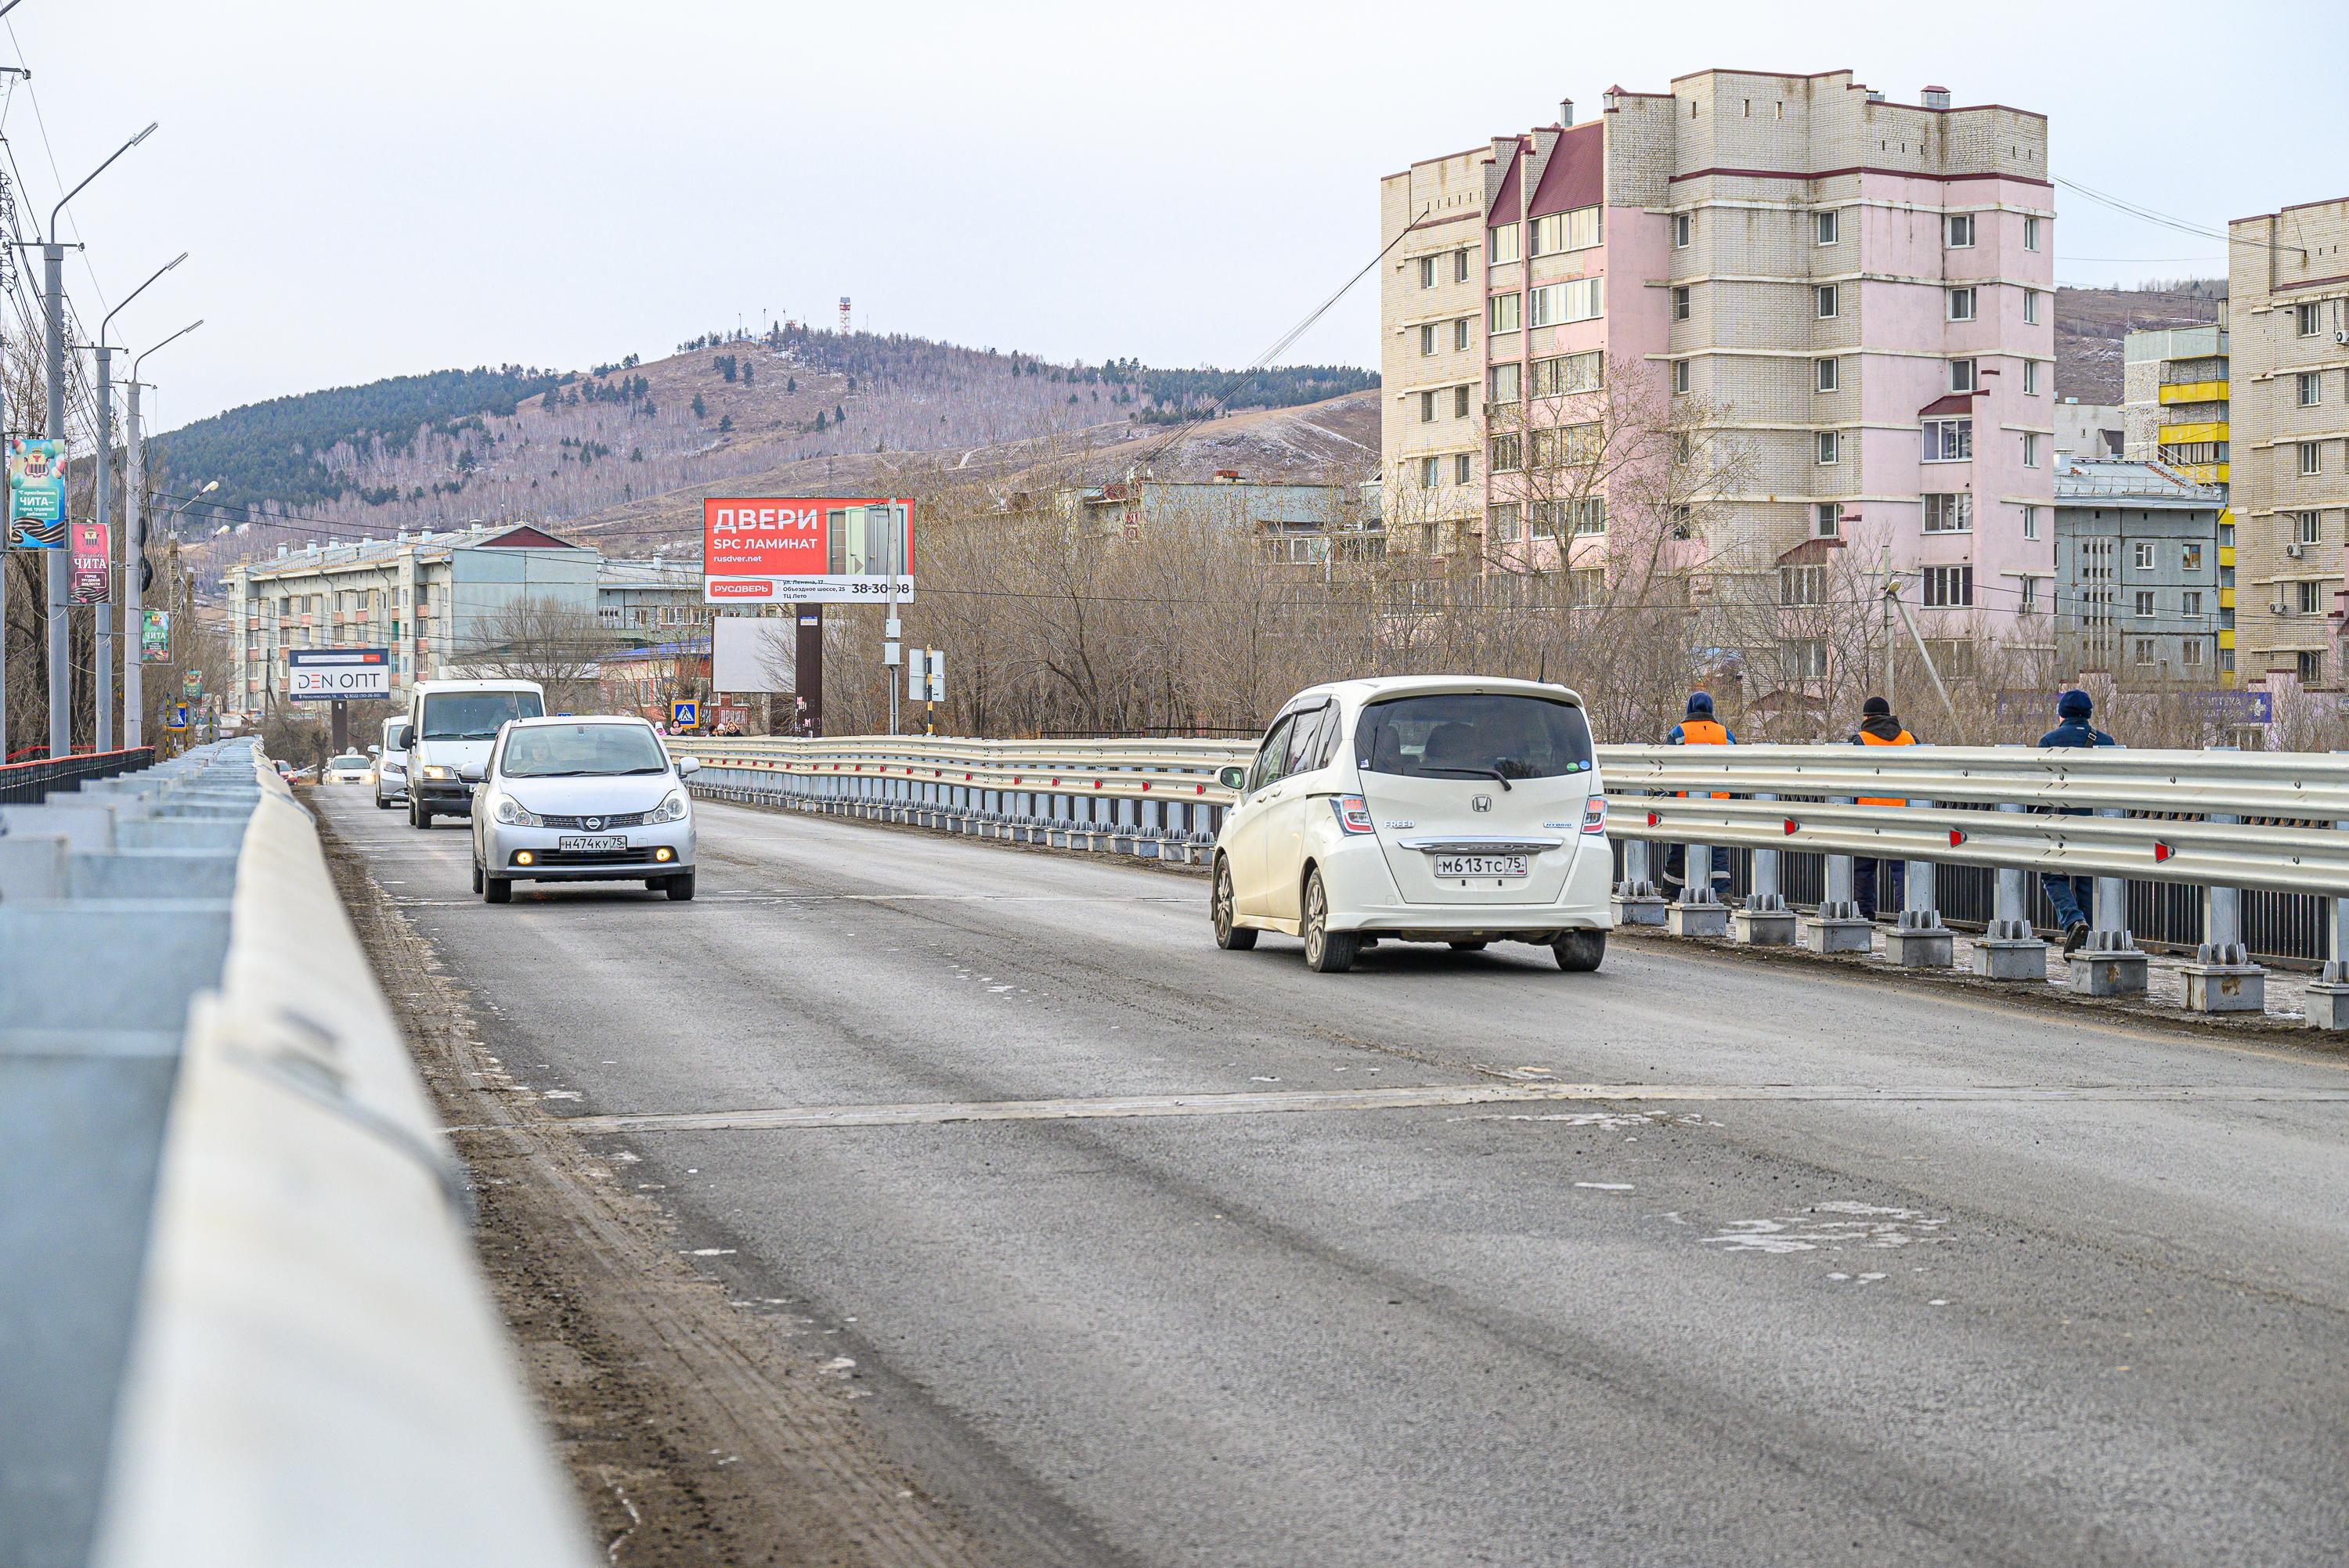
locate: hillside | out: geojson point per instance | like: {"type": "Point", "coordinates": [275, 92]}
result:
{"type": "Point", "coordinates": [2091, 323]}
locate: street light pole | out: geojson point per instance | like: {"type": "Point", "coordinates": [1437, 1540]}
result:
{"type": "Point", "coordinates": [134, 557]}
{"type": "Point", "coordinates": [53, 289]}
{"type": "Point", "coordinates": [105, 607]}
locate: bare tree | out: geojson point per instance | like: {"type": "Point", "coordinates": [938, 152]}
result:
{"type": "Point", "coordinates": [541, 638]}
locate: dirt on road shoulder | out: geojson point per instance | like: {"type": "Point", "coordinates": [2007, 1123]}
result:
{"type": "Point", "coordinates": [694, 1435]}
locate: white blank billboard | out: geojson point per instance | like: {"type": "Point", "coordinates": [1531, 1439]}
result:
{"type": "Point", "coordinates": [754, 654]}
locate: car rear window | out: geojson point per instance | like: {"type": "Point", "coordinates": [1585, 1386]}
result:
{"type": "Point", "coordinates": [1460, 735]}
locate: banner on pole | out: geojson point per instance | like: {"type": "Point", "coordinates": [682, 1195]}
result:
{"type": "Point", "coordinates": [92, 561]}
{"type": "Point", "coordinates": [37, 493]}
{"type": "Point", "coordinates": [155, 638]}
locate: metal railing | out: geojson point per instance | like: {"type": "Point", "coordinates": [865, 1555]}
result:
{"type": "Point", "coordinates": [28, 783]}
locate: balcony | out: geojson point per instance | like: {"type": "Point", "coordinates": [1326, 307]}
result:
{"type": "Point", "coordinates": [2183, 435]}
{"type": "Point", "coordinates": [2193, 392]}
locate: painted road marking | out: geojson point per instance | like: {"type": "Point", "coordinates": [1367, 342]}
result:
{"type": "Point", "coordinates": [784, 1119]}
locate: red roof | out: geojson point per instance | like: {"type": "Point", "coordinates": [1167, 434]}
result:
{"type": "Point", "coordinates": [525, 538]}
{"type": "Point", "coordinates": [1576, 175]}
{"type": "Point", "coordinates": [1955, 403]}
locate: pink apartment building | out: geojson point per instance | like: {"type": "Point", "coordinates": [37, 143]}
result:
{"type": "Point", "coordinates": [1831, 315]}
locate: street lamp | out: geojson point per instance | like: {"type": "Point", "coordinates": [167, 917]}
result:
{"type": "Point", "coordinates": [134, 693]}
{"type": "Point", "coordinates": [53, 296]}
{"type": "Point", "coordinates": [105, 610]}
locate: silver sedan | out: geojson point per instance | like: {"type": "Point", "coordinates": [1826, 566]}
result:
{"type": "Point", "coordinates": [583, 799]}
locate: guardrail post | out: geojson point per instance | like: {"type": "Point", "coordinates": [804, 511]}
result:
{"type": "Point", "coordinates": [2111, 965]}
{"type": "Point", "coordinates": [1919, 940]}
{"type": "Point", "coordinates": [2222, 978]}
{"type": "Point", "coordinates": [1697, 912]}
{"type": "Point", "coordinates": [2006, 949]}
{"type": "Point", "coordinates": [2328, 994]}
{"type": "Point", "coordinates": [1763, 921]}
{"type": "Point", "coordinates": [1635, 898]}
{"type": "Point", "coordinates": [1837, 927]}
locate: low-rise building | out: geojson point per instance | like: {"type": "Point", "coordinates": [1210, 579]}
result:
{"type": "Point", "coordinates": [1300, 524]}
{"type": "Point", "coordinates": [2095, 431]}
{"type": "Point", "coordinates": [2143, 586]}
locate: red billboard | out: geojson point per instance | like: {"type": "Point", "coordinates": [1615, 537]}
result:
{"type": "Point", "coordinates": [822, 549]}
{"type": "Point", "coordinates": [91, 557]}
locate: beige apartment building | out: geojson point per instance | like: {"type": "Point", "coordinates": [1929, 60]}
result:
{"type": "Point", "coordinates": [2288, 283]}
{"type": "Point", "coordinates": [1858, 294]}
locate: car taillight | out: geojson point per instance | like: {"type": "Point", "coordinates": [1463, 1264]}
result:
{"type": "Point", "coordinates": [1594, 814]}
{"type": "Point", "coordinates": [1353, 813]}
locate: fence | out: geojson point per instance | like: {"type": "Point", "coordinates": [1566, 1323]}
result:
{"type": "Point", "coordinates": [27, 783]}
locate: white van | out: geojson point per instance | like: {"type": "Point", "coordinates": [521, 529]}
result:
{"type": "Point", "coordinates": [391, 764]}
{"type": "Point", "coordinates": [451, 724]}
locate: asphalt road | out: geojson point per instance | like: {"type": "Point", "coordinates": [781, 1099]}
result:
{"type": "Point", "coordinates": [1867, 1275]}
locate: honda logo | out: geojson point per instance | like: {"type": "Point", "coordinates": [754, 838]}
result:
{"type": "Point", "coordinates": [1480, 803]}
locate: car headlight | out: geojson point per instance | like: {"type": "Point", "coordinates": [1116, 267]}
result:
{"type": "Point", "coordinates": [434, 770]}
{"type": "Point", "coordinates": [671, 810]}
{"type": "Point", "coordinates": [511, 813]}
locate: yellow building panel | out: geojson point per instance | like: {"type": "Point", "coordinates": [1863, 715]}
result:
{"type": "Point", "coordinates": [2225, 598]}
{"type": "Point", "coordinates": [2225, 639]}
{"type": "Point", "coordinates": [2178, 435]}
{"type": "Point", "coordinates": [2227, 552]}
{"type": "Point", "coordinates": [2194, 392]}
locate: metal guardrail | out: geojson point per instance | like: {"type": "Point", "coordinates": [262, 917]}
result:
{"type": "Point", "coordinates": [28, 783]}
{"type": "Point", "coordinates": [242, 1317]}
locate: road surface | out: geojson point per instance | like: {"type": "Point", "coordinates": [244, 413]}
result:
{"type": "Point", "coordinates": [1833, 1269]}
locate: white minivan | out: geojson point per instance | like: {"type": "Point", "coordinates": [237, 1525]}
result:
{"type": "Point", "coordinates": [1458, 810]}
{"type": "Point", "coordinates": [451, 724]}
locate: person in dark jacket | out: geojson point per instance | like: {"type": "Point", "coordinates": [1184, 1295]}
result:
{"type": "Point", "coordinates": [1878, 727]}
{"type": "Point", "coordinates": [2072, 897]}
{"type": "Point", "coordinates": [1698, 726]}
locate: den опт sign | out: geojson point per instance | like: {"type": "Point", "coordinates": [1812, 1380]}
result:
{"type": "Point", "coordinates": [338, 674]}
{"type": "Point", "coordinates": [806, 549]}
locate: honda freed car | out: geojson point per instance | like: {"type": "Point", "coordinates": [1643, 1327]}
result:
{"type": "Point", "coordinates": [583, 799]}
{"type": "Point", "coordinates": [1421, 809]}
{"type": "Point", "coordinates": [391, 764]}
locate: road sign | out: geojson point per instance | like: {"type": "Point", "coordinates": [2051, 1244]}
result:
{"type": "Point", "coordinates": [338, 674]}
{"type": "Point", "coordinates": [685, 715]}
{"type": "Point", "coordinates": [807, 551]}
{"type": "Point", "coordinates": [176, 716]}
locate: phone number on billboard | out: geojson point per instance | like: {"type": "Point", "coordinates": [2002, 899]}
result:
{"type": "Point", "coordinates": [827, 590]}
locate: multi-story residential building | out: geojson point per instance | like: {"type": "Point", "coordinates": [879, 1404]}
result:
{"type": "Point", "coordinates": [2142, 585]}
{"type": "Point", "coordinates": [2289, 322]}
{"type": "Point", "coordinates": [434, 600]}
{"type": "Point", "coordinates": [1757, 310]}
{"type": "Point", "coordinates": [1296, 523]}
{"type": "Point", "coordinates": [2174, 397]}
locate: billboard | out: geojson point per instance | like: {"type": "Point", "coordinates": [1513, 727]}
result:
{"type": "Point", "coordinates": [754, 654]}
{"type": "Point", "coordinates": [806, 549]}
{"type": "Point", "coordinates": [155, 638]}
{"type": "Point", "coordinates": [37, 493]}
{"type": "Point", "coordinates": [91, 559]}
{"type": "Point", "coordinates": [338, 674]}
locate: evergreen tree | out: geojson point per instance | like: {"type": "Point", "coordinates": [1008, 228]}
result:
{"type": "Point", "coordinates": [747, 369]}
{"type": "Point", "coordinates": [724, 423]}
{"type": "Point", "coordinates": [839, 414]}
{"type": "Point", "coordinates": [700, 408]}
{"type": "Point", "coordinates": [790, 383]}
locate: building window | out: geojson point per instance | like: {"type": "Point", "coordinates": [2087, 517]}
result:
{"type": "Point", "coordinates": [1830, 447]}
{"type": "Point", "coordinates": [1506, 453]}
{"type": "Point", "coordinates": [2141, 555]}
{"type": "Point", "coordinates": [1683, 229]}
{"type": "Point", "coordinates": [2031, 378]}
{"type": "Point", "coordinates": [2189, 651]}
{"type": "Point", "coordinates": [1949, 511]}
{"type": "Point", "coordinates": [2310, 667]}
{"type": "Point", "coordinates": [2143, 605]}
{"type": "Point", "coordinates": [2030, 233]}
{"type": "Point", "coordinates": [2030, 523]}
{"type": "Point", "coordinates": [2309, 319]}
{"type": "Point", "coordinates": [1568, 373]}
{"type": "Point", "coordinates": [1503, 520]}
{"type": "Point", "coordinates": [1961, 226]}
{"type": "Point", "coordinates": [1800, 586]}
{"type": "Point", "coordinates": [1962, 375]}
{"type": "Point", "coordinates": [1588, 516]}
{"type": "Point", "coordinates": [2030, 307]}
{"type": "Point", "coordinates": [2308, 527]}
{"type": "Point", "coordinates": [1826, 519]}
{"type": "Point", "coordinates": [1825, 301]}
{"type": "Point", "coordinates": [1463, 469]}
{"type": "Point", "coordinates": [1431, 472]}
{"type": "Point", "coordinates": [1828, 227]}
{"type": "Point", "coordinates": [1500, 244]}
{"type": "Point", "coordinates": [1830, 373]}
{"type": "Point", "coordinates": [2309, 597]}
{"type": "Point", "coordinates": [1575, 231]}
{"type": "Point", "coordinates": [1429, 272]}
{"type": "Point", "coordinates": [2190, 604]}
{"type": "Point", "coordinates": [2030, 448]}
{"type": "Point", "coordinates": [1573, 300]}
{"type": "Point", "coordinates": [1680, 308]}
{"type": "Point", "coordinates": [1463, 330]}
{"type": "Point", "coordinates": [1427, 407]}
{"type": "Point", "coordinates": [2190, 558]}
{"type": "Point", "coordinates": [1460, 265]}
{"type": "Point", "coordinates": [2312, 458]}
{"type": "Point", "coordinates": [1460, 401]}
{"type": "Point", "coordinates": [2145, 650]}
{"type": "Point", "coordinates": [1803, 659]}
{"type": "Point", "coordinates": [2028, 604]}
{"type": "Point", "coordinates": [1683, 520]}
{"type": "Point", "coordinates": [1949, 587]}
{"type": "Point", "coordinates": [1502, 381]}
{"type": "Point", "coordinates": [1500, 314]}
{"type": "Point", "coordinates": [1680, 376]}
{"type": "Point", "coordinates": [1961, 304]}
{"type": "Point", "coordinates": [2312, 388]}
{"type": "Point", "coordinates": [1949, 441]}
{"type": "Point", "coordinates": [1427, 339]}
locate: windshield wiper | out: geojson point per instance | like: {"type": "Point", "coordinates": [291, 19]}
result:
{"type": "Point", "coordinates": [628, 772]}
{"type": "Point", "coordinates": [1470, 773]}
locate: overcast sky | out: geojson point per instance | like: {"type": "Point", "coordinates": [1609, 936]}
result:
{"type": "Point", "coordinates": [372, 189]}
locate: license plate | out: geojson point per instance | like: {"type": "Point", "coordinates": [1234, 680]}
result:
{"type": "Point", "coordinates": [593, 841]}
{"type": "Point", "coordinates": [1482, 865]}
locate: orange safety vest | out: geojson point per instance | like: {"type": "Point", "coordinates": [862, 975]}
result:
{"type": "Point", "coordinates": [1904, 739]}
{"type": "Point", "coordinates": [1705, 732]}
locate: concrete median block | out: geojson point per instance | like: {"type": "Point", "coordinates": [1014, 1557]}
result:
{"type": "Point", "coordinates": [1637, 909]}
{"type": "Point", "coordinates": [1822, 934]}
{"type": "Point", "coordinates": [2328, 1005]}
{"type": "Point", "coordinates": [2115, 972]}
{"type": "Point", "coordinates": [1686, 919]}
{"type": "Point", "coordinates": [1920, 946]}
{"type": "Point", "coordinates": [1762, 927]}
{"type": "Point", "coordinates": [2225, 987]}
{"type": "Point", "coordinates": [2010, 958]}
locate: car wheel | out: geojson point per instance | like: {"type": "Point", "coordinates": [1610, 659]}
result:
{"type": "Point", "coordinates": [497, 889]}
{"type": "Point", "coordinates": [381, 804]}
{"type": "Point", "coordinates": [1579, 952]}
{"type": "Point", "coordinates": [477, 876]}
{"type": "Point", "coordinates": [681, 888]}
{"type": "Point", "coordinates": [1230, 935]}
{"type": "Point", "coordinates": [1327, 951]}
{"type": "Point", "coordinates": [1468, 946]}
{"type": "Point", "coordinates": [418, 816]}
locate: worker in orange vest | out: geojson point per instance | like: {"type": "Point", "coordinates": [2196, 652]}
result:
{"type": "Point", "coordinates": [1878, 726]}
{"type": "Point", "coordinates": [1698, 726]}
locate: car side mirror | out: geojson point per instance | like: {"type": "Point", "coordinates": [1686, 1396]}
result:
{"type": "Point", "coordinates": [375, 751]}
{"type": "Point", "coordinates": [1233, 778]}
{"type": "Point", "coordinates": [688, 765]}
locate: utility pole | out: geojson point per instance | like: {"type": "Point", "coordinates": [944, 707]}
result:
{"type": "Point", "coordinates": [1891, 595]}
{"type": "Point", "coordinates": [105, 607]}
{"type": "Point", "coordinates": [134, 558]}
